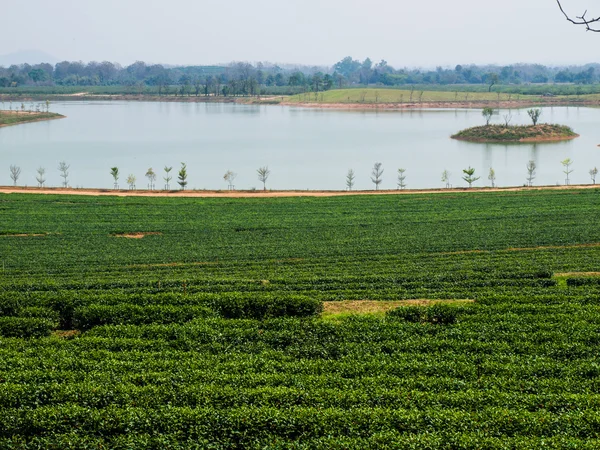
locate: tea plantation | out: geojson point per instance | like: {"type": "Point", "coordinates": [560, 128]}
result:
{"type": "Point", "coordinates": [197, 323]}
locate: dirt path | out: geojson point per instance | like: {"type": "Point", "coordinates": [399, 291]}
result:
{"type": "Point", "coordinates": [270, 194]}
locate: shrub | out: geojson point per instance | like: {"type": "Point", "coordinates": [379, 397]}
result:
{"type": "Point", "coordinates": [24, 327]}
{"type": "Point", "coordinates": [437, 314]}
{"type": "Point", "coordinates": [88, 317]}
{"type": "Point", "coordinates": [262, 308]}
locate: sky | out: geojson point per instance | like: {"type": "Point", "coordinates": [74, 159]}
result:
{"type": "Point", "coordinates": [406, 33]}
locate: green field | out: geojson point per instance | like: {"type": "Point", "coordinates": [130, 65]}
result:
{"type": "Point", "coordinates": [384, 95]}
{"type": "Point", "coordinates": [207, 333]}
{"type": "Point", "coordinates": [372, 95]}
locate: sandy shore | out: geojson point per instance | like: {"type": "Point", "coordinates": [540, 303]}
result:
{"type": "Point", "coordinates": [513, 104]}
{"type": "Point", "coordinates": [270, 194]}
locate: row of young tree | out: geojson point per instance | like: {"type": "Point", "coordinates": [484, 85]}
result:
{"type": "Point", "coordinates": [468, 175]}
{"type": "Point", "coordinates": [263, 173]}
{"type": "Point", "coordinates": [244, 78]}
{"type": "Point", "coordinates": [131, 180]}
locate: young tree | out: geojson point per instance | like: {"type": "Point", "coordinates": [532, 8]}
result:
{"type": "Point", "coordinates": [534, 114]}
{"type": "Point", "coordinates": [492, 79]}
{"type": "Point", "coordinates": [182, 176]}
{"type": "Point", "coordinates": [446, 178]}
{"type": "Point", "coordinates": [470, 176]}
{"type": "Point", "coordinates": [131, 181]}
{"type": "Point", "coordinates": [63, 168]}
{"type": "Point", "coordinates": [230, 178]}
{"type": "Point", "coordinates": [151, 175]}
{"type": "Point", "coordinates": [376, 175]}
{"type": "Point", "coordinates": [401, 178]}
{"type": "Point", "coordinates": [15, 172]}
{"type": "Point", "coordinates": [567, 165]}
{"type": "Point", "coordinates": [168, 177]}
{"type": "Point", "coordinates": [114, 171]}
{"type": "Point", "coordinates": [487, 114]}
{"type": "Point", "coordinates": [350, 179]}
{"type": "Point", "coordinates": [492, 177]}
{"type": "Point", "coordinates": [40, 176]}
{"type": "Point", "coordinates": [530, 172]}
{"type": "Point", "coordinates": [263, 175]}
{"type": "Point", "coordinates": [507, 118]}
{"type": "Point", "coordinates": [593, 174]}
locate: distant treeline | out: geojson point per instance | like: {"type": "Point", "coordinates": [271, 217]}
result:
{"type": "Point", "coordinates": [242, 78]}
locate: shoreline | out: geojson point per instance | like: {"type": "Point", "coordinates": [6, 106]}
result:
{"type": "Point", "coordinates": [7, 190]}
{"type": "Point", "coordinates": [513, 104]}
{"type": "Point", "coordinates": [520, 141]}
{"type": "Point", "coordinates": [278, 100]}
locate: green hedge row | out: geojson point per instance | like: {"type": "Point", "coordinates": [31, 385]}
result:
{"type": "Point", "coordinates": [26, 326]}
{"type": "Point", "coordinates": [126, 314]}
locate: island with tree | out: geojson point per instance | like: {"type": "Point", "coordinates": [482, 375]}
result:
{"type": "Point", "coordinates": [507, 133]}
{"type": "Point", "coordinates": [25, 115]}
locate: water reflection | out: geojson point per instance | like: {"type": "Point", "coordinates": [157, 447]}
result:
{"type": "Point", "coordinates": [304, 148]}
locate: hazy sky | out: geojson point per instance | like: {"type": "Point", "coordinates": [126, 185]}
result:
{"type": "Point", "coordinates": [408, 33]}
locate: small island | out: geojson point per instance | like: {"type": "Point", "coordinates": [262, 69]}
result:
{"type": "Point", "coordinates": [8, 118]}
{"type": "Point", "coordinates": [507, 133]}
{"type": "Point", "coordinates": [523, 133]}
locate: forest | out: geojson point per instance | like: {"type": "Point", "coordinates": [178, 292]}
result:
{"type": "Point", "coordinates": [243, 78]}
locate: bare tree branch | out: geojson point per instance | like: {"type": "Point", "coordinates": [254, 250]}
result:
{"type": "Point", "coordinates": [581, 20]}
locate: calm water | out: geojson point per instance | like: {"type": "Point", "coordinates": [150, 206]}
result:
{"type": "Point", "coordinates": [304, 148]}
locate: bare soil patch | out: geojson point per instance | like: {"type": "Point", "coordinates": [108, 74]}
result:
{"type": "Point", "coordinates": [66, 334]}
{"type": "Point", "coordinates": [378, 307]}
{"type": "Point", "coordinates": [577, 274]}
{"type": "Point", "coordinates": [137, 235]}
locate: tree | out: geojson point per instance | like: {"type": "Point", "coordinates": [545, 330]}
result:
{"type": "Point", "coordinates": [168, 177]}
{"type": "Point", "coordinates": [350, 179]}
{"type": "Point", "coordinates": [530, 172]}
{"type": "Point", "coordinates": [401, 178]}
{"type": "Point", "coordinates": [15, 172]}
{"type": "Point", "coordinates": [182, 176]}
{"type": "Point", "coordinates": [507, 118]}
{"type": "Point", "coordinates": [446, 178]}
{"type": "Point", "coordinates": [263, 175]}
{"type": "Point", "coordinates": [376, 175]}
{"type": "Point", "coordinates": [582, 20]}
{"type": "Point", "coordinates": [492, 177]}
{"type": "Point", "coordinates": [487, 115]}
{"type": "Point", "coordinates": [114, 171]}
{"type": "Point", "coordinates": [534, 114]}
{"type": "Point", "coordinates": [131, 181]}
{"type": "Point", "coordinates": [40, 176]}
{"type": "Point", "coordinates": [492, 79]}
{"type": "Point", "coordinates": [593, 174]}
{"type": "Point", "coordinates": [63, 168]}
{"type": "Point", "coordinates": [151, 175]}
{"type": "Point", "coordinates": [470, 176]}
{"type": "Point", "coordinates": [230, 178]}
{"type": "Point", "coordinates": [567, 164]}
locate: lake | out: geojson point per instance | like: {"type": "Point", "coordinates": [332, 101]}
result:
{"type": "Point", "coordinates": [303, 148]}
